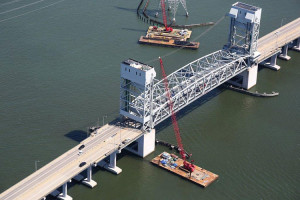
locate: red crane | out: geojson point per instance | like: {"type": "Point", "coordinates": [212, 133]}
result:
{"type": "Point", "coordinates": [189, 166]}
{"type": "Point", "coordinates": [163, 9]}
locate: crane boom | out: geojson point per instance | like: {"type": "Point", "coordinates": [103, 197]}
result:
{"type": "Point", "coordinates": [189, 166]}
{"type": "Point", "coordinates": [173, 116]}
{"type": "Point", "coordinates": [163, 9]}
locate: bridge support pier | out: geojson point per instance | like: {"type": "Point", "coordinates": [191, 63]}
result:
{"type": "Point", "coordinates": [144, 145]}
{"type": "Point", "coordinates": [247, 79]}
{"type": "Point", "coordinates": [112, 165]}
{"type": "Point", "coordinates": [64, 195]}
{"type": "Point", "coordinates": [297, 47]}
{"type": "Point", "coordinates": [88, 181]}
{"type": "Point", "coordinates": [272, 64]}
{"type": "Point", "coordinates": [284, 55]}
{"type": "Point", "coordinates": [250, 77]}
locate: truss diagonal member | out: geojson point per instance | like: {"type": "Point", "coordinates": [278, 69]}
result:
{"type": "Point", "coordinates": [188, 85]}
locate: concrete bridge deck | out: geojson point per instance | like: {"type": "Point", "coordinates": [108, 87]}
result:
{"type": "Point", "coordinates": [99, 145]}
{"type": "Point", "coordinates": [271, 43]}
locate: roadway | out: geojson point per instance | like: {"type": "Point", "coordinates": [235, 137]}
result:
{"type": "Point", "coordinates": [271, 43]}
{"type": "Point", "coordinates": [99, 145]}
{"type": "Point", "coordinates": [109, 137]}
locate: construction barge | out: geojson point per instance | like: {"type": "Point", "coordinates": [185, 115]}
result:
{"type": "Point", "coordinates": [174, 164]}
{"type": "Point", "coordinates": [175, 38]}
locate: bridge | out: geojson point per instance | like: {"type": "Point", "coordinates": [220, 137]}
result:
{"type": "Point", "coordinates": [106, 141]}
{"type": "Point", "coordinates": [143, 102]}
{"type": "Point", "coordinates": [279, 40]}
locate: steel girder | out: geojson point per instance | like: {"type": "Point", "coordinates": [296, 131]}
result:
{"type": "Point", "coordinates": [193, 81]}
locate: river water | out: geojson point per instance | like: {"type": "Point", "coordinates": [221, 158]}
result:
{"type": "Point", "coordinates": [60, 67]}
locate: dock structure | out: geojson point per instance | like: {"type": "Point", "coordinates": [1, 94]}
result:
{"type": "Point", "coordinates": [143, 102]}
{"type": "Point", "coordinates": [200, 176]}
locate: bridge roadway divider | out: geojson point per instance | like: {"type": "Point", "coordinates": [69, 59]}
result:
{"type": "Point", "coordinates": [60, 171]}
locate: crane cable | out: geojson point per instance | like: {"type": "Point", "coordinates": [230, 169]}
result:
{"type": "Point", "coordinates": [173, 114]}
{"type": "Point", "coordinates": [196, 38]}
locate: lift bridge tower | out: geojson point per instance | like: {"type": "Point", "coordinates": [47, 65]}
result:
{"type": "Point", "coordinates": [243, 40]}
{"type": "Point", "coordinates": [143, 98]}
{"type": "Point", "coordinates": [244, 29]}
{"type": "Point", "coordinates": [136, 91]}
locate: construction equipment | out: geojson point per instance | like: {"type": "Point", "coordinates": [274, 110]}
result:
{"type": "Point", "coordinates": [188, 166]}
{"type": "Point", "coordinates": [167, 36]}
{"type": "Point", "coordinates": [163, 9]}
{"type": "Point", "coordinates": [173, 5]}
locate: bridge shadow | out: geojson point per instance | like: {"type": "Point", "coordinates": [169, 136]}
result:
{"type": "Point", "coordinates": [260, 67]}
{"type": "Point", "coordinates": [77, 135]}
{"type": "Point", "coordinates": [190, 108]}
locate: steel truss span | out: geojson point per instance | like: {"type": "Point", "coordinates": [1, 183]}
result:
{"type": "Point", "coordinates": [147, 102]}
{"type": "Point", "coordinates": [193, 81]}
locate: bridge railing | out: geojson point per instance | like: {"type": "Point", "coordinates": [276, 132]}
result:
{"type": "Point", "coordinates": [272, 42]}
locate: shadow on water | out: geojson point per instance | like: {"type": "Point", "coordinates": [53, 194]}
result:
{"type": "Point", "coordinates": [133, 29]}
{"type": "Point", "coordinates": [190, 108]}
{"type": "Point", "coordinates": [77, 135]}
{"type": "Point", "coordinates": [260, 67]}
{"type": "Point", "coordinates": [126, 9]}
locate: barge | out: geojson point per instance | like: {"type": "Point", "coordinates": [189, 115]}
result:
{"type": "Point", "coordinates": [174, 164]}
{"type": "Point", "coordinates": [174, 38]}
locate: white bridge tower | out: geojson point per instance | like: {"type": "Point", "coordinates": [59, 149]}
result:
{"type": "Point", "coordinates": [136, 91]}
{"type": "Point", "coordinates": [143, 98]}
{"type": "Point", "coordinates": [244, 29]}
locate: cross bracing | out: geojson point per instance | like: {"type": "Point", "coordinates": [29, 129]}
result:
{"type": "Point", "coordinates": [150, 107]}
{"type": "Point", "coordinates": [135, 98]}
{"type": "Point", "coordinates": [188, 84]}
